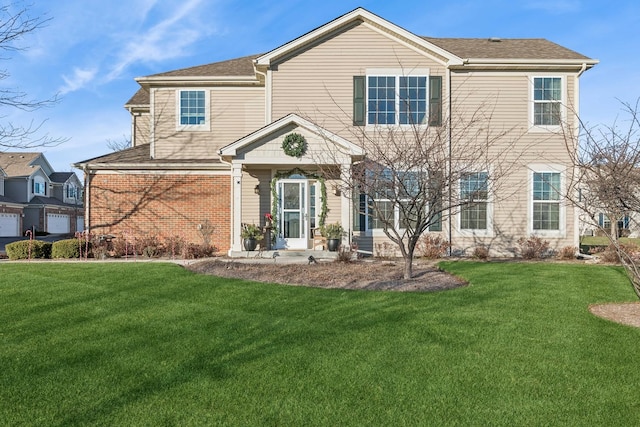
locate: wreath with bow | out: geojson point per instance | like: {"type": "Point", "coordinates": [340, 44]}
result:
{"type": "Point", "coordinates": [294, 145]}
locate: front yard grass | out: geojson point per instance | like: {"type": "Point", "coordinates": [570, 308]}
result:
{"type": "Point", "coordinates": [154, 344]}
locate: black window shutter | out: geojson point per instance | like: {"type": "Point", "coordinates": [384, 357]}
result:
{"type": "Point", "coordinates": [435, 101]}
{"type": "Point", "coordinates": [363, 212]}
{"type": "Point", "coordinates": [358, 100]}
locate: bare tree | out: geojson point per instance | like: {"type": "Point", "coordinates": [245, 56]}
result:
{"type": "Point", "coordinates": [119, 145]}
{"type": "Point", "coordinates": [607, 179]}
{"type": "Point", "coordinates": [416, 177]}
{"type": "Point", "coordinates": [15, 24]}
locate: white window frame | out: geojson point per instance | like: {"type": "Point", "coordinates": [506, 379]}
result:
{"type": "Point", "coordinates": [532, 102]}
{"type": "Point", "coordinates": [477, 232]}
{"type": "Point", "coordinates": [70, 191]}
{"type": "Point", "coordinates": [561, 231]}
{"type": "Point", "coordinates": [204, 127]}
{"type": "Point", "coordinates": [397, 225]}
{"type": "Point", "coordinates": [38, 182]}
{"type": "Point", "coordinates": [396, 73]}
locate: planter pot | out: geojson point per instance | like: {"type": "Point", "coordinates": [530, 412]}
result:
{"type": "Point", "coordinates": [333, 244]}
{"type": "Point", "coordinates": [250, 244]}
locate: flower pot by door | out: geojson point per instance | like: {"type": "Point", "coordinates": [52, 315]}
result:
{"type": "Point", "coordinates": [333, 244]}
{"type": "Point", "coordinates": [250, 244]}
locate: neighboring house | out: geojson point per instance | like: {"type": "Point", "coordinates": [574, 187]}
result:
{"type": "Point", "coordinates": [37, 198]}
{"type": "Point", "coordinates": [207, 140]}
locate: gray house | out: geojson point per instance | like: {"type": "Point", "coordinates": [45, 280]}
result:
{"type": "Point", "coordinates": [35, 197]}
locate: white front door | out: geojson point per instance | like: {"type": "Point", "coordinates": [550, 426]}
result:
{"type": "Point", "coordinates": [293, 215]}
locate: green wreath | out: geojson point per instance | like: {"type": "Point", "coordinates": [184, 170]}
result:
{"type": "Point", "coordinates": [294, 145]}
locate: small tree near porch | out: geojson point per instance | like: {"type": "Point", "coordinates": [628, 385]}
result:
{"type": "Point", "coordinates": [415, 177]}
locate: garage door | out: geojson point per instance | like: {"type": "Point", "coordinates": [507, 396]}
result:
{"type": "Point", "coordinates": [9, 225]}
{"type": "Point", "coordinates": [57, 224]}
{"type": "Point", "coordinates": [80, 223]}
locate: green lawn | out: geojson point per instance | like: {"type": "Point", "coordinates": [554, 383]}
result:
{"type": "Point", "coordinates": [153, 344]}
{"type": "Point", "coordinates": [604, 241]}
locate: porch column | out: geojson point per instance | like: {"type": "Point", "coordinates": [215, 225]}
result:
{"type": "Point", "coordinates": [346, 205]}
{"type": "Point", "coordinates": [236, 211]}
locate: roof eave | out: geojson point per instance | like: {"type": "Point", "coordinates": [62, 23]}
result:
{"type": "Point", "coordinates": [535, 63]}
{"type": "Point", "coordinates": [200, 80]}
{"type": "Point", "coordinates": [150, 166]}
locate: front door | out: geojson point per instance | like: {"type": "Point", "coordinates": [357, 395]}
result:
{"type": "Point", "coordinates": [293, 212]}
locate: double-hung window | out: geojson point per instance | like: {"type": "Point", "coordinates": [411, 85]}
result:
{"type": "Point", "coordinates": [393, 100]}
{"type": "Point", "coordinates": [546, 201]}
{"type": "Point", "coordinates": [192, 110]}
{"type": "Point", "coordinates": [397, 202]}
{"type": "Point", "coordinates": [474, 195]}
{"type": "Point", "coordinates": [39, 187]}
{"type": "Point", "coordinates": [547, 101]}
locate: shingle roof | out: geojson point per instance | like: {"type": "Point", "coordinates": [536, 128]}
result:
{"type": "Point", "coordinates": [141, 155]}
{"type": "Point", "coordinates": [141, 97]}
{"type": "Point", "coordinates": [37, 200]}
{"type": "Point", "coordinates": [232, 67]}
{"type": "Point", "coordinates": [60, 176]}
{"type": "Point", "coordinates": [18, 164]}
{"type": "Point", "coordinates": [504, 48]}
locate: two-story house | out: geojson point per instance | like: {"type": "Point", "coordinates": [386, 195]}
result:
{"type": "Point", "coordinates": [207, 141]}
{"type": "Point", "coordinates": [35, 197]}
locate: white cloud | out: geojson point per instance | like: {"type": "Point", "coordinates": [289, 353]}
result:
{"type": "Point", "coordinates": [168, 39]}
{"type": "Point", "coordinates": [78, 80]}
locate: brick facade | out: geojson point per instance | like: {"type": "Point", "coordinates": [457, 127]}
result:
{"type": "Point", "coordinates": [163, 205]}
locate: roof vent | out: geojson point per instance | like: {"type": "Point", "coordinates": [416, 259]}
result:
{"type": "Point", "coordinates": [495, 39]}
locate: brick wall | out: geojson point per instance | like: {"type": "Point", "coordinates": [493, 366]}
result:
{"type": "Point", "coordinates": [162, 206]}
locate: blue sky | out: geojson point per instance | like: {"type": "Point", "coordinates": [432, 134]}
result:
{"type": "Point", "coordinates": [91, 50]}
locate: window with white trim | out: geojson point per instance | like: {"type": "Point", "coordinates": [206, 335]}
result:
{"type": "Point", "coordinates": [39, 186]}
{"type": "Point", "coordinates": [397, 100]}
{"type": "Point", "coordinates": [546, 201]}
{"type": "Point", "coordinates": [547, 101]}
{"type": "Point", "coordinates": [192, 109]}
{"type": "Point", "coordinates": [70, 191]}
{"type": "Point", "coordinates": [395, 203]}
{"type": "Point", "coordinates": [474, 193]}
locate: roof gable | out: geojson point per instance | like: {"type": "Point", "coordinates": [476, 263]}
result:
{"type": "Point", "coordinates": [20, 164]}
{"type": "Point", "coordinates": [345, 20]}
{"type": "Point", "coordinates": [234, 148]}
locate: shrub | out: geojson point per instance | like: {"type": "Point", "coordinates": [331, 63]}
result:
{"type": "Point", "coordinates": [568, 252]}
{"type": "Point", "coordinates": [385, 250]}
{"type": "Point", "coordinates": [122, 246]}
{"type": "Point", "coordinates": [20, 249]}
{"type": "Point", "coordinates": [345, 255]}
{"type": "Point", "coordinates": [480, 252]}
{"type": "Point", "coordinates": [174, 246]}
{"type": "Point", "coordinates": [193, 251]}
{"type": "Point", "coordinates": [533, 247]}
{"type": "Point", "coordinates": [69, 248]}
{"type": "Point", "coordinates": [431, 247]}
{"type": "Point", "coordinates": [609, 254]}
{"type": "Point", "coordinates": [149, 246]}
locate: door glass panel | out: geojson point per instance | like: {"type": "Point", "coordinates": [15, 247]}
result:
{"type": "Point", "coordinates": [291, 225]}
{"type": "Point", "coordinates": [291, 195]}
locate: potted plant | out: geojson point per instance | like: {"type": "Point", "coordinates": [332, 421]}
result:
{"type": "Point", "coordinates": [250, 235]}
{"type": "Point", "coordinates": [333, 233]}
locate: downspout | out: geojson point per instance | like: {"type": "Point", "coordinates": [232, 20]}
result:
{"type": "Point", "coordinates": [87, 189]}
{"type": "Point", "coordinates": [449, 137]}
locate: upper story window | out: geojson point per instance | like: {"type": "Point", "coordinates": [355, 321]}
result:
{"type": "Point", "coordinates": [38, 186]}
{"type": "Point", "coordinates": [546, 201]}
{"type": "Point", "coordinates": [474, 189]}
{"type": "Point", "coordinates": [193, 106]}
{"type": "Point", "coordinates": [391, 96]}
{"type": "Point", "coordinates": [547, 101]}
{"type": "Point", "coordinates": [396, 100]}
{"type": "Point", "coordinates": [71, 191]}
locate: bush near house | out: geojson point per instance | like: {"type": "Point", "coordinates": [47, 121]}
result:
{"type": "Point", "coordinates": [20, 249]}
{"type": "Point", "coordinates": [69, 248]}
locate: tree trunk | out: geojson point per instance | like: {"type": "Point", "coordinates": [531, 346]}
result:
{"type": "Point", "coordinates": [408, 264]}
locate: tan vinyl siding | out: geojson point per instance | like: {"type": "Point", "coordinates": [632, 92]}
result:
{"type": "Point", "coordinates": [141, 129]}
{"type": "Point", "coordinates": [254, 206]}
{"type": "Point", "coordinates": [318, 83]}
{"type": "Point", "coordinates": [234, 113]}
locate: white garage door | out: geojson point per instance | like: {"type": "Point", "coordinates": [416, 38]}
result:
{"type": "Point", "coordinates": [9, 225]}
{"type": "Point", "coordinates": [57, 224]}
{"type": "Point", "coordinates": [80, 223]}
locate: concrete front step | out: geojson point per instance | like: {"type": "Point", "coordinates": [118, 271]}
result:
{"type": "Point", "coordinates": [285, 253]}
